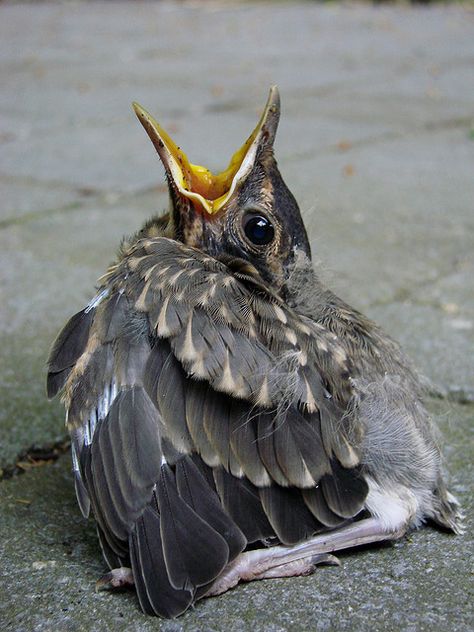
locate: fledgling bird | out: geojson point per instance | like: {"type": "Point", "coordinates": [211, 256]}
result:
{"type": "Point", "coordinates": [231, 418]}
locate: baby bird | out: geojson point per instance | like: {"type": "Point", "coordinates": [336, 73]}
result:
{"type": "Point", "coordinates": [231, 418]}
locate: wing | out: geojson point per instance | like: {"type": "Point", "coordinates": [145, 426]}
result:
{"type": "Point", "coordinates": [205, 415]}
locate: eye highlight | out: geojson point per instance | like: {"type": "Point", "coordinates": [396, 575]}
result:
{"type": "Point", "coordinates": [258, 229]}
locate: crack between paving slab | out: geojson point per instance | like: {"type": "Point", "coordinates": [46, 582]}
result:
{"type": "Point", "coordinates": [35, 456]}
{"type": "Point", "coordinates": [428, 127]}
{"type": "Point", "coordinates": [29, 180]}
{"type": "Point", "coordinates": [458, 395]}
{"type": "Point", "coordinates": [404, 294]}
{"type": "Point", "coordinates": [92, 195]}
{"type": "Point", "coordinates": [25, 218]}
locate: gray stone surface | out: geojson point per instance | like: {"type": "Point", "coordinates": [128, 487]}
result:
{"type": "Point", "coordinates": [375, 142]}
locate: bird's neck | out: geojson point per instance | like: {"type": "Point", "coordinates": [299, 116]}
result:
{"type": "Point", "coordinates": [307, 295]}
{"type": "Point", "coordinates": [373, 353]}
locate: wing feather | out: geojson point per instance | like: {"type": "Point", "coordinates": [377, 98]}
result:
{"type": "Point", "coordinates": [66, 349]}
{"type": "Point", "coordinates": [171, 400]}
{"type": "Point", "coordinates": [217, 425]}
{"type": "Point", "coordinates": [316, 503]}
{"type": "Point", "coordinates": [244, 443]}
{"type": "Point", "coordinates": [194, 490]}
{"type": "Point", "coordinates": [155, 591]}
{"type": "Point", "coordinates": [288, 514]}
{"type": "Point", "coordinates": [117, 546]}
{"type": "Point", "coordinates": [196, 395]}
{"type": "Point", "coordinates": [267, 424]}
{"type": "Point", "coordinates": [242, 502]}
{"type": "Point", "coordinates": [345, 490]}
{"type": "Point", "coordinates": [190, 561]}
{"type": "Point", "coordinates": [109, 496]}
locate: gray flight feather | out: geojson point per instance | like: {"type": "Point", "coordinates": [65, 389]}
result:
{"type": "Point", "coordinates": [317, 504]}
{"type": "Point", "coordinates": [194, 490]}
{"type": "Point", "coordinates": [345, 490]}
{"type": "Point", "coordinates": [189, 562]}
{"type": "Point", "coordinates": [242, 502]}
{"type": "Point", "coordinates": [288, 515]}
{"type": "Point", "coordinates": [155, 592]}
{"type": "Point", "coordinates": [66, 350]}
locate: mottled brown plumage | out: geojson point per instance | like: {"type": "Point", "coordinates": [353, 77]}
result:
{"type": "Point", "coordinates": [221, 400]}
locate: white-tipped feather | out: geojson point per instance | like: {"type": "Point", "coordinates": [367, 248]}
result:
{"type": "Point", "coordinates": [104, 402]}
{"type": "Point", "coordinates": [75, 459]}
{"type": "Point", "coordinates": [98, 298]}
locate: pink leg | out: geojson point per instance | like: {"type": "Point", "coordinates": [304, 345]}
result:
{"type": "Point", "coordinates": [300, 559]}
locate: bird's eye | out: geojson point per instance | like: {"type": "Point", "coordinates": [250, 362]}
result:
{"type": "Point", "coordinates": [258, 229]}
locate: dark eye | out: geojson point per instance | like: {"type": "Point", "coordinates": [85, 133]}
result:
{"type": "Point", "coordinates": [258, 229]}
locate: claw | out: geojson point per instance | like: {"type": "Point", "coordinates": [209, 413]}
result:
{"type": "Point", "coordinates": [326, 559]}
{"type": "Point", "coordinates": [116, 579]}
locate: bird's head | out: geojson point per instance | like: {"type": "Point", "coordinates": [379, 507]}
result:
{"type": "Point", "coordinates": [245, 211]}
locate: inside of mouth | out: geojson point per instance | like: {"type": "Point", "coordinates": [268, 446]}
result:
{"type": "Point", "coordinates": [200, 180]}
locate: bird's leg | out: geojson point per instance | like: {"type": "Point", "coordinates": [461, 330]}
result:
{"type": "Point", "coordinates": [117, 578]}
{"type": "Point", "coordinates": [300, 559]}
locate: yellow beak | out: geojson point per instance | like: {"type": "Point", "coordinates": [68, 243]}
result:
{"type": "Point", "coordinates": [197, 183]}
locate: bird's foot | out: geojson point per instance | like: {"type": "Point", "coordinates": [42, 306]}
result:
{"type": "Point", "coordinates": [255, 565]}
{"type": "Point", "coordinates": [116, 579]}
{"type": "Point", "coordinates": [300, 559]}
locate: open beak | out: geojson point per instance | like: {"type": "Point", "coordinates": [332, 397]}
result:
{"type": "Point", "coordinates": [205, 189]}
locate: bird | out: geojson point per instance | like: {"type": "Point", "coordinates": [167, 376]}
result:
{"type": "Point", "coordinates": [231, 418]}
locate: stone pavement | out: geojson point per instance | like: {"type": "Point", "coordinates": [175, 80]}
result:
{"type": "Point", "coordinates": [377, 143]}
